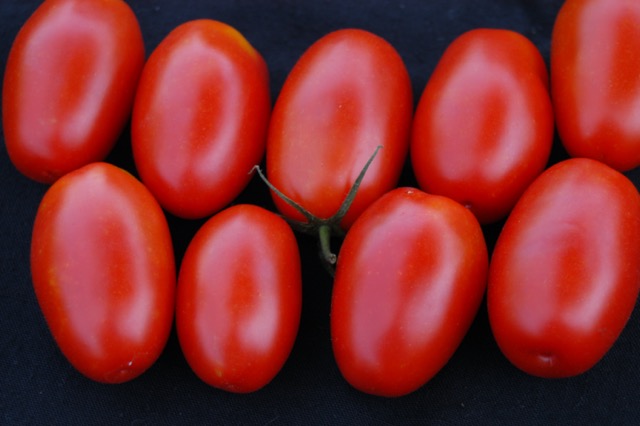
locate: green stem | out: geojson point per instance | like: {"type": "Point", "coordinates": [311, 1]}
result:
{"type": "Point", "coordinates": [298, 207]}
{"type": "Point", "coordinates": [324, 228]}
{"type": "Point", "coordinates": [351, 195]}
{"type": "Point", "coordinates": [324, 235]}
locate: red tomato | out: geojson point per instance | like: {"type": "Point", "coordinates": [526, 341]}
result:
{"type": "Point", "coordinates": [239, 298]}
{"type": "Point", "coordinates": [200, 118]}
{"type": "Point", "coordinates": [349, 93]}
{"type": "Point", "coordinates": [103, 272]}
{"type": "Point", "coordinates": [564, 276]}
{"type": "Point", "coordinates": [69, 84]}
{"type": "Point", "coordinates": [410, 277]}
{"type": "Point", "coordinates": [595, 83]}
{"type": "Point", "coordinates": [483, 128]}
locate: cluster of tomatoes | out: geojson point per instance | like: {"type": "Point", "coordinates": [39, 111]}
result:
{"type": "Point", "coordinates": [413, 267]}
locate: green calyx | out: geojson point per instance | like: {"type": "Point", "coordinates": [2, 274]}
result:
{"type": "Point", "coordinates": [320, 227]}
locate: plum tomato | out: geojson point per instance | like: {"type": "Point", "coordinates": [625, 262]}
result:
{"type": "Point", "coordinates": [69, 85]}
{"type": "Point", "coordinates": [410, 277]}
{"type": "Point", "coordinates": [349, 93]}
{"type": "Point", "coordinates": [595, 83]}
{"type": "Point", "coordinates": [239, 298]}
{"type": "Point", "coordinates": [483, 128]}
{"type": "Point", "coordinates": [564, 274]}
{"type": "Point", "coordinates": [200, 118]}
{"type": "Point", "coordinates": [103, 272]}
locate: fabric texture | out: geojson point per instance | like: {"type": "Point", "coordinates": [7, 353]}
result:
{"type": "Point", "coordinates": [477, 386]}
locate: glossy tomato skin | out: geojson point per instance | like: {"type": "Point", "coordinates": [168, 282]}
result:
{"type": "Point", "coordinates": [349, 93]}
{"type": "Point", "coordinates": [239, 298]}
{"type": "Point", "coordinates": [564, 274]}
{"type": "Point", "coordinates": [595, 84]}
{"type": "Point", "coordinates": [103, 272]}
{"type": "Point", "coordinates": [200, 117]}
{"type": "Point", "coordinates": [410, 277]}
{"type": "Point", "coordinates": [69, 85]}
{"type": "Point", "coordinates": [483, 128]}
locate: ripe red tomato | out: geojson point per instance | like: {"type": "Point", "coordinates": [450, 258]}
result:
{"type": "Point", "coordinates": [239, 298]}
{"type": "Point", "coordinates": [349, 93]}
{"type": "Point", "coordinates": [483, 128]}
{"type": "Point", "coordinates": [69, 85]}
{"type": "Point", "coordinates": [103, 272]}
{"type": "Point", "coordinates": [410, 278]}
{"type": "Point", "coordinates": [564, 275]}
{"type": "Point", "coordinates": [200, 117]}
{"type": "Point", "coordinates": [595, 83]}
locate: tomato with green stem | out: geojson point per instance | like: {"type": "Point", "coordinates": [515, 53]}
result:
{"type": "Point", "coordinates": [347, 94]}
{"type": "Point", "coordinates": [103, 272]}
{"type": "Point", "coordinates": [69, 84]}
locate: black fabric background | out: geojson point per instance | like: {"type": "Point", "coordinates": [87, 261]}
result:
{"type": "Point", "coordinates": [477, 386]}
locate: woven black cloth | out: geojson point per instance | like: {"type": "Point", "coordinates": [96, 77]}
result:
{"type": "Point", "coordinates": [477, 386]}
